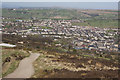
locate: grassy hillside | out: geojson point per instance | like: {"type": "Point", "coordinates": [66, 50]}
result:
{"type": "Point", "coordinates": [98, 18]}
{"type": "Point", "coordinates": [11, 59]}
{"type": "Point", "coordinates": [64, 13]}
{"type": "Point", "coordinates": [99, 23]}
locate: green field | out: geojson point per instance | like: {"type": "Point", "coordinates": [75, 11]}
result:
{"type": "Point", "coordinates": [99, 23]}
{"type": "Point", "coordinates": [96, 18]}
{"type": "Point", "coordinates": [63, 13]}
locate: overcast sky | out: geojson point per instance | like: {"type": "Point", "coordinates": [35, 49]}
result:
{"type": "Point", "coordinates": [60, 0]}
{"type": "Point", "coordinates": [77, 5]}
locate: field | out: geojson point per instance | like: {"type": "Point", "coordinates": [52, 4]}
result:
{"type": "Point", "coordinates": [95, 18]}
{"type": "Point", "coordinates": [67, 13]}
{"type": "Point", "coordinates": [99, 23]}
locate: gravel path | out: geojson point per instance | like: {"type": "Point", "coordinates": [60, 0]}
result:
{"type": "Point", "coordinates": [25, 68]}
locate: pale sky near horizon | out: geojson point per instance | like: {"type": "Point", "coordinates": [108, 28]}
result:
{"type": "Point", "coordinates": [60, 0]}
{"type": "Point", "coordinates": [73, 5]}
{"type": "Point", "coordinates": [77, 5]}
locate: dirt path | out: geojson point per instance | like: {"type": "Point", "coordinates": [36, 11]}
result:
{"type": "Point", "coordinates": [25, 68]}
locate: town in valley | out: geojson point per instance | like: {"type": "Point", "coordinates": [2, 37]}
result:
{"type": "Point", "coordinates": [80, 42]}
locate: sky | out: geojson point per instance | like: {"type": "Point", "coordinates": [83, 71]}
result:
{"type": "Point", "coordinates": [60, 0]}
{"type": "Point", "coordinates": [77, 5]}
